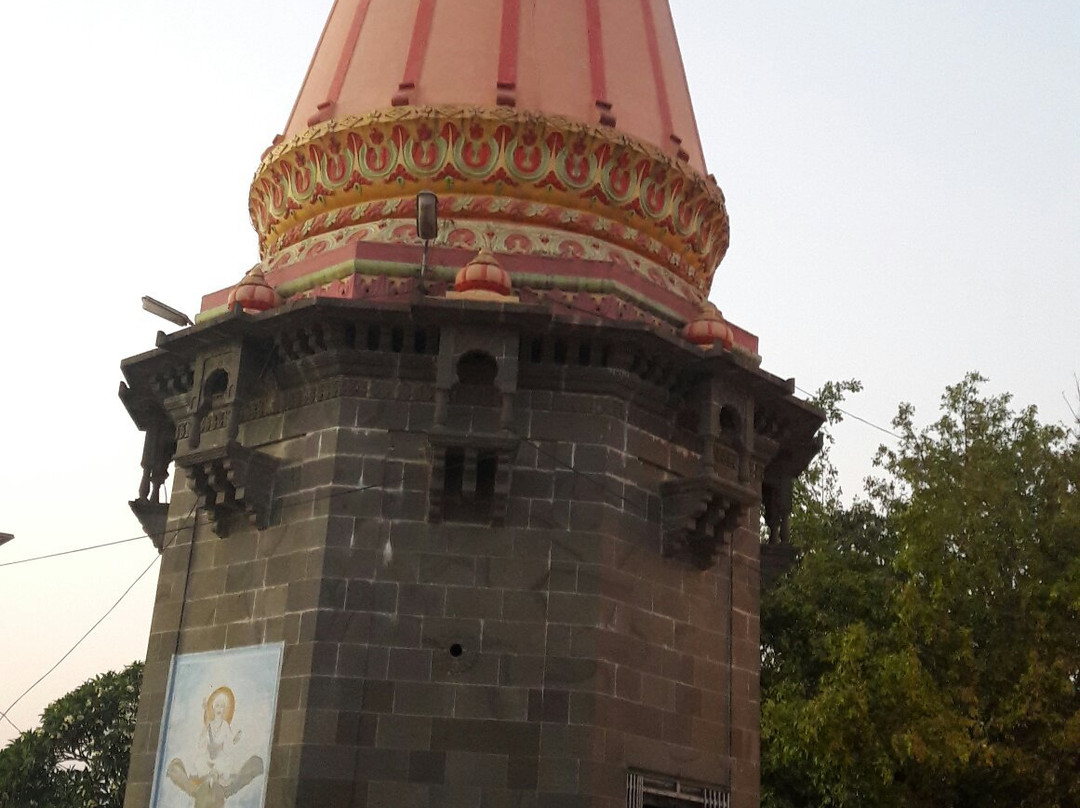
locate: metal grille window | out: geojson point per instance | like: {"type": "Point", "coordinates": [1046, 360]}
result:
{"type": "Point", "coordinates": [655, 791]}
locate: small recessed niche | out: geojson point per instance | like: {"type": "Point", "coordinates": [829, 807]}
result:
{"type": "Point", "coordinates": [477, 368]}
{"type": "Point", "coordinates": [729, 425]}
{"type": "Point", "coordinates": [469, 484]}
{"type": "Point", "coordinates": [475, 387]}
{"type": "Point", "coordinates": [215, 386]}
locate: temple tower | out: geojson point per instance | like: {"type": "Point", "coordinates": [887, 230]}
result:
{"type": "Point", "coordinates": [470, 519]}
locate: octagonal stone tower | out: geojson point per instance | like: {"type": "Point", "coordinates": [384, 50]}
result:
{"type": "Point", "coordinates": [480, 528]}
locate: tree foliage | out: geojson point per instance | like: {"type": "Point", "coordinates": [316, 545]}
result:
{"type": "Point", "coordinates": [926, 649]}
{"type": "Point", "coordinates": [78, 757]}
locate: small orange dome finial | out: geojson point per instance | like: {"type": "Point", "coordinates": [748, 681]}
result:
{"type": "Point", "coordinates": [709, 327]}
{"type": "Point", "coordinates": [254, 294]}
{"type": "Point", "coordinates": [484, 273]}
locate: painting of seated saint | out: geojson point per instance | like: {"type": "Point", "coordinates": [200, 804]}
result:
{"type": "Point", "coordinates": [217, 730]}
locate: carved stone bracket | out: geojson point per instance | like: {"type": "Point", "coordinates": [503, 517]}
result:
{"type": "Point", "coordinates": [470, 477]}
{"type": "Point", "coordinates": [153, 516]}
{"type": "Point", "coordinates": [699, 512]}
{"type": "Point", "coordinates": [159, 447]}
{"type": "Point", "coordinates": [777, 487]}
{"type": "Point", "coordinates": [231, 480]}
{"type": "Point", "coordinates": [776, 559]}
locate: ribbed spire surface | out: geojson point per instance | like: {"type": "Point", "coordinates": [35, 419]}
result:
{"type": "Point", "coordinates": [597, 61]}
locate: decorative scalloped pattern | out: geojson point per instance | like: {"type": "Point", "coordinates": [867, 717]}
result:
{"type": "Point", "coordinates": [499, 164]}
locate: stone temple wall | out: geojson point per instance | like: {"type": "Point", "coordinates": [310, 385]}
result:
{"type": "Point", "coordinates": [467, 554]}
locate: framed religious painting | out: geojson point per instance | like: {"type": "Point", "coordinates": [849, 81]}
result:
{"type": "Point", "coordinates": [217, 729]}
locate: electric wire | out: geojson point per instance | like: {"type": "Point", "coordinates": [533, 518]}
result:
{"type": "Point", "coordinates": [528, 440]}
{"type": "Point", "coordinates": [79, 642]}
{"type": "Point", "coordinates": [101, 619]}
{"type": "Point", "coordinates": [140, 537]}
{"type": "Point", "coordinates": [592, 479]}
{"type": "Point", "coordinates": [139, 577]}
{"type": "Point", "coordinates": [858, 418]}
{"type": "Point", "coordinates": [73, 551]}
{"type": "Point", "coordinates": [16, 726]}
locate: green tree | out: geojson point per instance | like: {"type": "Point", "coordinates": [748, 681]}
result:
{"type": "Point", "coordinates": [925, 651]}
{"type": "Point", "coordinates": [78, 757]}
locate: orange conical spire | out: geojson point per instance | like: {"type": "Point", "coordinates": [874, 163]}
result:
{"type": "Point", "coordinates": [610, 62]}
{"type": "Point", "coordinates": [548, 129]}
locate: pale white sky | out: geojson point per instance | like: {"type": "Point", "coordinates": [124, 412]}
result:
{"type": "Point", "coordinates": [903, 180]}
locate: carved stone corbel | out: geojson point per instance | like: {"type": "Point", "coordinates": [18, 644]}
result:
{"type": "Point", "coordinates": [231, 480]}
{"type": "Point", "coordinates": [699, 513]}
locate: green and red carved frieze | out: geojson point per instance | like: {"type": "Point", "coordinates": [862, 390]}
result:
{"type": "Point", "coordinates": [396, 225]}
{"type": "Point", "coordinates": [497, 165]}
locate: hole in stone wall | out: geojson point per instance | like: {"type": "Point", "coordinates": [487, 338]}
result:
{"type": "Point", "coordinates": [584, 353]}
{"type": "Point", "coordinates": [397, 339]}
{"type": "Point", "coordinates": [456, 650]}
{"type": "Point", "coordinates": [373, 338]}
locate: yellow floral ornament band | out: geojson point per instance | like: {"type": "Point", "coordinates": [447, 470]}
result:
{"type": "Point", "coordinates": [517, 166]}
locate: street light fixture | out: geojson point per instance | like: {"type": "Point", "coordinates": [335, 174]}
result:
{"type": "Point", "coordinates": [165, 312]}
{"type": "Point", "coordinates": [427, 224]}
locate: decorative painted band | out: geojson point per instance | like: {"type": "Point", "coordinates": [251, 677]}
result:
{"type": "Point", "coordinates": [393, 222]}
{"type": "Point", "coordinates": [519, 165]}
